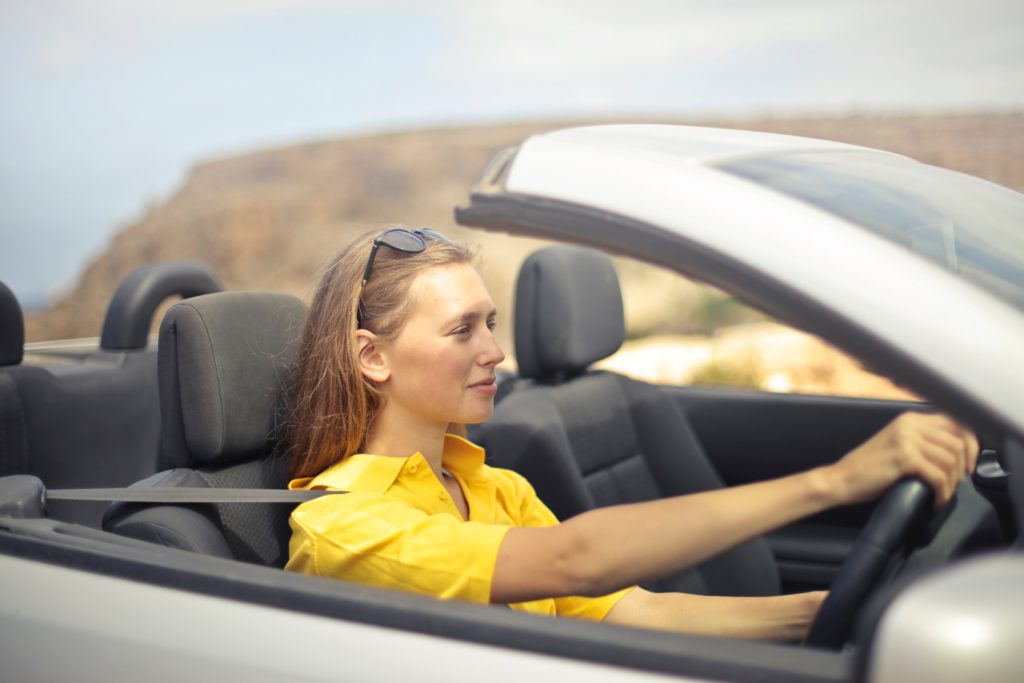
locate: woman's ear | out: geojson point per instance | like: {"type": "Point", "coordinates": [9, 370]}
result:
{"type": "Point", "coordinates": [372, 362]}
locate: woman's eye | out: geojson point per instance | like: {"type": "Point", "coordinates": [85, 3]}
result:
{"type": "Point", "coordinates": [461, 331]}
{"type": "Point", "coordinates": [491, 324]}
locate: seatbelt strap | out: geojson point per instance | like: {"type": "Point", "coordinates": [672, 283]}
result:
{"type": "Point", "coordinates": [187, 494]}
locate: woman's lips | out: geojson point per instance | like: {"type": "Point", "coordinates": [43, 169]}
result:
{"type": "Point", "coordinates": [487, 386]}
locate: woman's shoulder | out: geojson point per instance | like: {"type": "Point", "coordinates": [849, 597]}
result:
{"type": "Point", "coordinates": [338, 501]}
{"type": "Point", "coordinates": [357, 472]}
{"type": "Point", "coordinates": [509, 480]}
{"type": "Point", "coordinates": [343, 511]}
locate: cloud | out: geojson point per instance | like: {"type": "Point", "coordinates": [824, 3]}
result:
{"type": "Point", "coordinates": [601, 51]}
{"type": "Point", "coordinates": [67, 33]}
{"type": "Point", "coordinates": [839, 52]}
{"type": "Point", "coordinates": [534, 38]}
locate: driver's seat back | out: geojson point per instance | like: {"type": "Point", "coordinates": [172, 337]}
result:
{"type": "Point", "coordinates": [226, 366]}
{"type": "Point", "coordinates": [589, 439]}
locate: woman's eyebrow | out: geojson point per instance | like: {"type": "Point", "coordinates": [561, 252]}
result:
{"type": "Point", "coordinates": [470, 316]}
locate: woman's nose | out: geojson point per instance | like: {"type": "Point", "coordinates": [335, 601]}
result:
{"type": "Point", "coordinates": [493, 354]}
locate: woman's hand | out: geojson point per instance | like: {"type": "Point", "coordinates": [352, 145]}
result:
{"type": "Point", "coordinates": [932, 447]}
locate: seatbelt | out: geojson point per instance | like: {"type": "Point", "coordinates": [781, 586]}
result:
{"type": "Point", "coordinates": [186, 494]}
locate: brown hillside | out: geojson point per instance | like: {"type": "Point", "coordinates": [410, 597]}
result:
{"type": "Point", "coordinates": [271, 219]}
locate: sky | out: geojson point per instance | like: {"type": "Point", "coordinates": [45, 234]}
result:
{"type": "Point", "coordinates": [107, 104]}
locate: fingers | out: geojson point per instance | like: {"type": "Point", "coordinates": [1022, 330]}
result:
{"type": "Point", "coordinates": [941, 469]}
{"type": "Point", "coordinates": [939, 482]}
{"type": "Point", "coordinates": [973, 451]}
{"type": "Point", "coordinates": [966, 441]}
{"type": "Point", "coordinates": [950, 442]}
{"type": "Point", "coordinates": [946, 452]}
{"type": "Point", "coordinates": [930, 446]}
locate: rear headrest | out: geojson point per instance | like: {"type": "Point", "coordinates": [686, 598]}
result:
{"type": "Point", "coordinates": [12, 328]}
{"type": "Point", "coordinates": [226, 364]}
{"type": "Point", "coordinates": [130, 314]}
{"type": "Point", "coordinates": [568, 311]}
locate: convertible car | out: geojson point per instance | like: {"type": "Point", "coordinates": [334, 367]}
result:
{"type": "Point", "coordinates": [915, 271]}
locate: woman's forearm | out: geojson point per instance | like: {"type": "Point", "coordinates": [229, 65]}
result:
{"type": "Point", "coordinates": [780, 617]}
{"type": "Point", "coordinates": [609, 548]}
{"type": "Point", "coordinates": [625, 545]}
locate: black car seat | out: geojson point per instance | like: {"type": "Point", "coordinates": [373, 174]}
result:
{"type": "Point", "coordinates": [90, 417]}
{"type": "Point", "coordinates": [587, 438]}
{"type": "Point", "coordinates": [13, 436]}
{"type": "Point", "coordinates": [225, 367]}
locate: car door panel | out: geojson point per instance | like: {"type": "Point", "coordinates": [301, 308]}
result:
{"type": "Point", "coordinates": [752, 435]}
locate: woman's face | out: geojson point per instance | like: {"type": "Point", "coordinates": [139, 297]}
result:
{"type": "Point", "coordinates": [441, 363]}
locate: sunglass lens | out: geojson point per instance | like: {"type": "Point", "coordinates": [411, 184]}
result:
{"type": "Point", "coordinates": [403, 240]}
{"type": "Point", "coordinates": [432, 234]}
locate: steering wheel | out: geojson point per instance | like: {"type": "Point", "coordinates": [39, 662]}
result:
{"type": "Point", "coordinates": [901, 512]}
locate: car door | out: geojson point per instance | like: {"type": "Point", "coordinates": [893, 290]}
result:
{"type": "Point", "coordinates": [754, 435]}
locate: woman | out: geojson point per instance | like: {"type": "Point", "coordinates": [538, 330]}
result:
{"type": "Point", "coordinates": [398, 353]}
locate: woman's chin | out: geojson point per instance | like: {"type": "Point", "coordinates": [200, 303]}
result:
{"type": "Point", "coordinates": [475, 417]}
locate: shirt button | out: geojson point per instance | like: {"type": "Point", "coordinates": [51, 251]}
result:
{"type": "Point", "coordinates": [442, 495]}
{"type": "Point", "coordinates": [413, 468]}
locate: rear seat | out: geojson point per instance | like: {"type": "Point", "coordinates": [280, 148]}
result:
{"type": "Point", "coordinates": [13, 440]}
{"type": "Point", "coordinates": [90, 418]}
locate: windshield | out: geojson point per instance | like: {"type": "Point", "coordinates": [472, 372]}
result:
{"type": "Point", "coordinates": [969, 226]}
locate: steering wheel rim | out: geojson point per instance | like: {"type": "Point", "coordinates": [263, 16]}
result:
{"type": "Point", "coordinates": [904, 508]}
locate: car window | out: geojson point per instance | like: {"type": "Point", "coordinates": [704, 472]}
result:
{"type": "Point", "coordinates": [681, 332]}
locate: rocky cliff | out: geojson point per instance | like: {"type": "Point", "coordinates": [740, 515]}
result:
{"type": "Point", "coordinates": [271, 219]}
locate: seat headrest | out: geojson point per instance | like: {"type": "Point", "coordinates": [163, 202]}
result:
{"type": "Point", "coordinates": [12, 328]}
{"type": "Point", "coordinates": [568, 311]}
{"type": "Point", "coordinates": [226, 365]}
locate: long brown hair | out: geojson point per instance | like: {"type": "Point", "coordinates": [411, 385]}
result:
{"type": "Point", "coordinates": [334, 403]}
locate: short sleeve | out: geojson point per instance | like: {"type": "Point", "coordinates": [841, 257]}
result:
{"type": "Point", "coordinates": [594, 609]}
{"type": "Point", "coordinates": [531, 511]}
{"type": "Point", "coordinates": [379, 540]}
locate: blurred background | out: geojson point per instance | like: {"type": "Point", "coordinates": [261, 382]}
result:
{"type": "Point", "coordinates": [257, 135]}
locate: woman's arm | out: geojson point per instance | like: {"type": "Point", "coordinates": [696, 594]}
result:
{"type": "Point", "coordinates": [778, 617]}
{"type": "Point", "coordinates": [603, 550]}
{"type": "Point", "coordinates": [609, 548]}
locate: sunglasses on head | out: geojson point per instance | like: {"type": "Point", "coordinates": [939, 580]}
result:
{"type": "Point", "coordinates": [403, 240]}
{"type": "Point", "coordinates": [400, 239]}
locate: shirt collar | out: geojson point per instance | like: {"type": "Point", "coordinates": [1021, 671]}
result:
{"type": "Point", "coordinates": [377, 473]}
{"type": "Point", "coordinates": [462, 457]}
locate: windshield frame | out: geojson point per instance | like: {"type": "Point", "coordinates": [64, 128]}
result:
{"type": "Point", "coordinates": [960, 223]}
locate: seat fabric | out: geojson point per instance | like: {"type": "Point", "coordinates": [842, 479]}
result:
{"type": "Point", "coordinates": [12, 328]}
{"type": "Point", "coordinates": [13, 432]}
{"type": "Point", "coordinates": [226, 368]}
{"type": "Point", "coordinates": [88, 423]}
{"type": "Point", "coordinates": [588, 439]}
{"type": "Point", "coordinates": [92, 419]}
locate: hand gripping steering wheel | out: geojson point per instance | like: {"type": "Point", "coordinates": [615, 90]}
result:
{"type": "Point", "coordinates": [902, 510]}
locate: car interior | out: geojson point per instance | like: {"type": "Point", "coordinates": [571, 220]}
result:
{"type": "Point", "coordinates": [224, 372]}
{"type": "Point", "coordinates": [204, 408]}
{"type": "Point", "coordinates": [589, 438]}
{"type": "Point", "coordinates": [90, 417]}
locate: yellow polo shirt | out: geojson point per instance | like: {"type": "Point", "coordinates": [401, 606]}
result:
{"type": "Point", "coordinates": [398, 527]}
